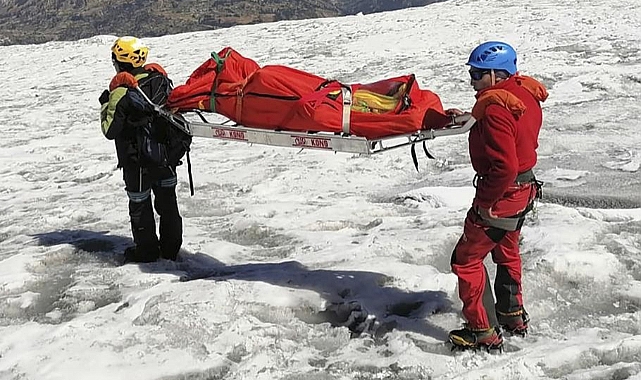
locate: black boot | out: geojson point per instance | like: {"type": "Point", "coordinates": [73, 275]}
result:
{"type": "Point", "coordinates": [135, 255]}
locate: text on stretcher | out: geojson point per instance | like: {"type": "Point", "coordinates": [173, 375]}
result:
{"type": "Point", "coordinates": [306, 142]}
{"type": "Point", "coordinates": [229, 134]}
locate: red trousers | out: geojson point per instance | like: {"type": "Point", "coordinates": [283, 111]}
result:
{"type": "Point", "coordinates": [477, 242]}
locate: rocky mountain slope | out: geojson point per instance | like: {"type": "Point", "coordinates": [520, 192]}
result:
{"type": "Point", "coordinates": [37, 21]}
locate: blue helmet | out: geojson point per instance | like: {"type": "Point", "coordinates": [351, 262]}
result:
{"type": "Point", "coordinates": [494, 55]}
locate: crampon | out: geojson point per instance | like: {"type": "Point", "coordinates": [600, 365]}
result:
{"type": "Point", "coordinates": [490, 340]}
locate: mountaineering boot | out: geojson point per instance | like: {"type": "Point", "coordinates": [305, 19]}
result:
{"type": "Point", "coordinates": [136, 255]}
{"type": "Point", "coordinates": [515, 323]}
{"type": "Point", "coordinates": [467, 337]}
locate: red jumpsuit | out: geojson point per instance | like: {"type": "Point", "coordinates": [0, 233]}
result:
{"type": "Point", "coordinates": [502, 145]}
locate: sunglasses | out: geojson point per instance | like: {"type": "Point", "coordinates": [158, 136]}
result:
{"type": "Point", "coordinates": [478, 74]}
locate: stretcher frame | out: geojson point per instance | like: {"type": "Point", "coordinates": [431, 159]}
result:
{"type": "Point", "coordinates": [328, 141]}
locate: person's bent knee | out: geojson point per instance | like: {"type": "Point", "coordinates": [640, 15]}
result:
{"type": "Point", "coordinates": [168, 182]}
{"type": "Point", "coordinates": [138, 197]}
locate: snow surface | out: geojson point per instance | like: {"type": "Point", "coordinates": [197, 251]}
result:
{"type": "Point", "coordinates": [276, 237]}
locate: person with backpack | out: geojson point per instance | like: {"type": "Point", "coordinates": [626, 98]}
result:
{"type": "Point", "coordinates": [502, 147]}
{"type": "Point", "coordinates": [142, 147]}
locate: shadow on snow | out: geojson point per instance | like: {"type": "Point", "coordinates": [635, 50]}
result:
{"type": "Point", "coordinates": [359, 300]}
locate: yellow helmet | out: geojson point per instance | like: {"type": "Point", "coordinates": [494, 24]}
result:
{"type": "Point", "coordinates": [131, 50]}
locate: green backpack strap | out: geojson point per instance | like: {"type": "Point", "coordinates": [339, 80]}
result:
{"type": "Point", "coordinates": [220, 62]}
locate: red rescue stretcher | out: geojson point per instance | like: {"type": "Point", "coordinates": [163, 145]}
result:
{"type": "Point", "coordinates": [282, 106]}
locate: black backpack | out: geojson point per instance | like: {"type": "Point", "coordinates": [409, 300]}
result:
{"type": "Point", "coordinates": [161, 138]}
{"type": "Point", "coordinates": [160, 142]}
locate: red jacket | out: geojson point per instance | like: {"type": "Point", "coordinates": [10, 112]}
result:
{"type": "Point", "coordinates": [503, 143]}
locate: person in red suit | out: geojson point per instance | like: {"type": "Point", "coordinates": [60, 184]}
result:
{"type": "Point", "coordinates": [502, 147]}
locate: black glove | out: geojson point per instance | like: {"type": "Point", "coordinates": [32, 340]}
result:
{"type": "Point", "coordinates": [104, 97]}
